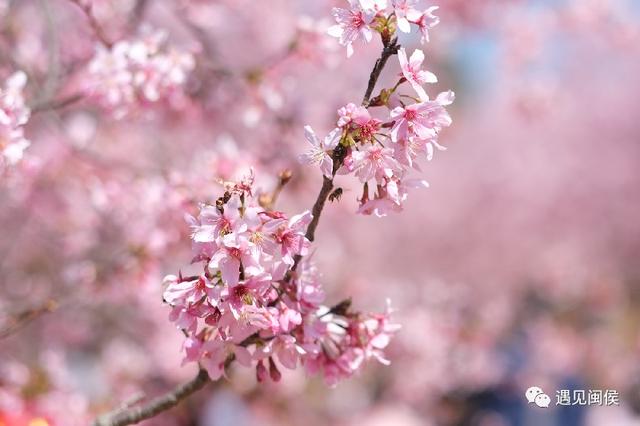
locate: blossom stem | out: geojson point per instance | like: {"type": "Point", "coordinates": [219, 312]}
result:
{"type": "Point", "coordinates": [390, 49]}
{"type": "Point", "coordinates": [93, 22]}
{"type": "Point", "coordinates": [57, 103]}
{"type": "Point", "coordinates": [136, 414]}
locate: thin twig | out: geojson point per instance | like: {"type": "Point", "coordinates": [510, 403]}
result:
{"type": "Point", "coordinates": [389, 50]}
{"type": "Point", "coordinates": [93, 22]}
{"type": "Point", "coordinates": [318, 206]}
{"type": "Point", "coordinates": [137, 14]}
{"type": "Point", "coordinates": [134, 415]}
{"type": "Point", "coordinates": [53, 41]}
{"type": "Point", "coordinates": [20, 320]}
{"type": "Point", "coordinates": [53, 104]}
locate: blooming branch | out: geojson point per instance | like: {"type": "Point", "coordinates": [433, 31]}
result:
{"type": "Point", "coordinates": [133, 415]}
{"type": "Point", "coordinates": [258, 299]}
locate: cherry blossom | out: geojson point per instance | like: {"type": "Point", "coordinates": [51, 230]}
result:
{"type": "Point", "coordinates": [422, 120]}
{"type": "Point", "coordinates": [375, 162]}
{"type": "Point", "coordinates": [381, 153]}
{"type": "Point", "coordinates": [238, 310]}
{"type": "Point", "coordinates": [424, 20]}
{"type": "Point", "coordinates": [14, 115]}
{"type": "Point", "coordinates": [403, 9]}
{"type": "Point", "coordinates": [353, 23]}
{"type": "Point", "coordinates": [134, 72]}
{"type": "Point", "coordinates": [411, 70]}
{"type": "Point", "coordinates": [320, 152]}
{"type": "Point", "coordinates": [359, 120]}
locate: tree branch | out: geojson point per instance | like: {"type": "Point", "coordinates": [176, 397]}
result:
{"type": "Point", "coordinates": [93, 22]}
{"type": "Point", "coordinates": [128, 416]}
{"type": "Point", "coordinates": [134, 415]}
{"type": "Point", "coordinates": [57, 103]}
{"type": "Point", "coordinates": [389, 50]}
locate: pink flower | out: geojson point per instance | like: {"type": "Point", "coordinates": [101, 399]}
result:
{"type": "Point", "coordinates": [375, 162]}
{"type": "Point", "coordinates": [308, 290]}
{"type": "Point", "coordinates": [216, 351]}
{"type": "Point", "coordinates": [402, 9]}
{"type": "Point", "coordinates": [250, 292]}
{"type": "Point", "coordinates": [422, 120]}
{"type": "Point", "coordinates": [320, 152]}
{"type": "Point", "coordinates": [289, 235]}
{"type": "Point", "coordinates": [358, 119]}
{"type": "Point", "coordinates": [186, 292]}
{"type": "Point", "coordinates": [289, 319]}
{"type": "Point", "coordinates": [14, 115]}
{"type": "Point", "coordinates": [424, 20]}
{"type": "Point", "coordinates": [407, 150]}
{"type": "Point", "coordinates": [185, 318]}
{"type": "Point", "coordinates": [376, 331]}
{"type": "Point", "coordinates": [249, 297]}
{"type": "Point", "coordinates": [233, 253]}
{"type": "Point", "coordinates": [213, 223]}
{"type": "Point", "coordinates": [352, 113]}
{"type": "Point", "coordinates": [140, 70]}
{"type": "Point", "coordinates": [353, 23]}
{"type": "Point", "coordinates": [389, 196]}
{"type": "Point", "coordinates": [261, 372]}
{"type": "Point", "coordinates": [379, 207]}
{"type": "Point", "coordinates": [192, 347]}
{"type": "Point", "coordinates": [411, 70]}
{"type": "Point", "coordinates": [337, 347]}
{"type": "Point", "coordinates": [285, 348]}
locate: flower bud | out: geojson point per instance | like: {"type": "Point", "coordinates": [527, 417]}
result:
{"type": "Point", "coordinates": [273, 371]}
{"type": "Point", "coordinates": [261, 372]}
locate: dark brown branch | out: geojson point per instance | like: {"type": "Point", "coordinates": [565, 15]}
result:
{"type": "Point", "coordinates": [318, 206]}
{"type": "Point", "coordinates": [389, 50]}
{"type": "Point", "coordinates": [93, 22]}
{"type": "Point", "coordinates": [134, 415]}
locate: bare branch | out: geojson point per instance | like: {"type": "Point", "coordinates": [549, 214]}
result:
{"type": "Point", "coordinates": [133, 415]}
{"type": "Point", "coordinates": [389, 50]}
{"type": "Point", "coordinates": [120, 417]}
{"type": "Point", "coordinates": [53, 104]}
{"type": "Point", "coordinates": [137, 14]}
{"type": "Point", "coordinates": [93, 22]}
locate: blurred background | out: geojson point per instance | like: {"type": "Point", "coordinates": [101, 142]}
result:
{"type": "Point", "coordinates": [518, 267]}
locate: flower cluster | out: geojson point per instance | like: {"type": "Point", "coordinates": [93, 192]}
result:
{"type": "Point", "coordinates": [380, 152]}
{"type": "Point", "coordinates": [137, 72]}
{"type": "Point", "coordinates": [259, 299]}
{"type": "Point", "coordinates": [364, 17]}
{"type": "Point", "coordinates": [14, 114]}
